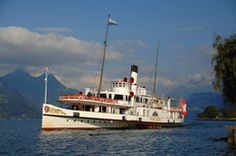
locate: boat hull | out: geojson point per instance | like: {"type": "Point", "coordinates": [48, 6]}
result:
{"type": "Point", "coordinates": [57, 118]}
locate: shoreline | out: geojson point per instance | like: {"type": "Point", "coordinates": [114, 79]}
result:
{"type": "Point", "coordinates": [215, 119]}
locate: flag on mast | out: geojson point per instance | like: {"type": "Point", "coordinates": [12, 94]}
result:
{"type": "Point", "coordinates": [111, 21]}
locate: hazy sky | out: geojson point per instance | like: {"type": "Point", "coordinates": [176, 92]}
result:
{"type": "Point", "coordinates": [68, 36]}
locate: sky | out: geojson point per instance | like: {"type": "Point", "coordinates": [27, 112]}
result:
{"type": "Point", "coordinates": [68, 36]}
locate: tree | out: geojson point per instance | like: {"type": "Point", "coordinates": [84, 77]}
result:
{"type": "Point", "coordinates": [209, 112]}
{"type": "Point", "coordinates": [224, 62]}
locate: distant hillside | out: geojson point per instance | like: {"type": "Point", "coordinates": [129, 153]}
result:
{"type": "Point", "coordinates": [198, 101]}
{"type": "Point", "coordinates": [14, 105]}
{"type": "Point", "coordinates": [31, 89]}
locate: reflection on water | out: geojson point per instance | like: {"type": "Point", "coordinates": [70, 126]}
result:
{"type": "Point", "coordinates": [196, 138]}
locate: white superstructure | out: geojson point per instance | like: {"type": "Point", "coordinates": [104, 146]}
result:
{"type": "Point", "coordinates": [125, 105]}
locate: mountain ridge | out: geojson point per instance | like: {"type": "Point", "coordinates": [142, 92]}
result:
{"type": "Point", "coordinates": [31, 89]}
{"type": "Point", "coordinates": [14, 105]}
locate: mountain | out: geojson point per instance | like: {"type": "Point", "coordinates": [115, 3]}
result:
{"type": "Point", "coordinates": [14, 105]}
{"type": "Point", "coordinates": [32, 88]}
{"type": "Point", "coordinates": [198, 101]}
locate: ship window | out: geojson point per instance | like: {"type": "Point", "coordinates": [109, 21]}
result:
{"type": "Point", "coordinates": [118, 97]}
{"type": "Point", "coordinates": [103, 95]}
{"type": "Point", "coordinates": [104, 109]}
{"type": "Point", "coordinates": [109, 96]}
{"type": "Point", "coordinates": [122, 111]}
{"type": "Point", "coordinates": [146, 101]}
{"type": "Point", "coordinates": [137, 99]}
{"type": "Point", "coordinates": [129, 98]}
{"type": "Point", "coordinates": [87, 108]}
{"type": "Point", "coordinates": [116, 84]}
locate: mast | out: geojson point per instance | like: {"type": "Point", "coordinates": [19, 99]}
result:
{"type": "Point", "coordinates": [46, 85]}
{"type": "Point", "coordinates": [109, 22]}
{"type": "Point", "coordinates": [155, 78]}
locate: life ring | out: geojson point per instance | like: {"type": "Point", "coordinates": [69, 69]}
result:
{"type": "Point", "coordinates": [81, 97]}
{"type": "Point", "coordinates": [46, 108]}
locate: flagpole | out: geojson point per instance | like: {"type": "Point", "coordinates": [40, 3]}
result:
{"type": "Point", "coordinates": [155, 78]}
{"type": "Point", "coordinates": [46, 85]}
{"type": "Point", "coordinates": [103, 58]}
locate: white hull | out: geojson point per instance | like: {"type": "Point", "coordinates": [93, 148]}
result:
{"type": "Point", "coordinates": [59, 118]}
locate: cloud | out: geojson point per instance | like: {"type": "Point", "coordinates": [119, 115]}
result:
{"type": "Point", "coordinates": [196, 56]}
{"type": "Point", "coordinates": [163, 84]}
{"type": "Point", "coordinates": [129, 45]}
{"type": "Point", "coordinates": [54, 29]}
{"type": "Point", "coordinates": [74, 61]}
{"type": "Point", "coordinates": [199, 79]}
{"type": "Point", "coordinates": [205, 49]}
{"type": "Point", "coordinates": [70, 59]}
{"type": "Point", "coordinates": [22, 47]}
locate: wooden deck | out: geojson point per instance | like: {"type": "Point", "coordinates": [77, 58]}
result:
{"type": "Point", "coordinates": [231, 134]}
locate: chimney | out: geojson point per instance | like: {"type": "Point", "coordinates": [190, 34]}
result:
{"type": "Point", "coordinates": [134, 74]}
{"type": "Point", "coordinates": [133, 83]}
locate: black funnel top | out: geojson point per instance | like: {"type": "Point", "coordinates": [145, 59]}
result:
{"type": "Point", "coordinates": [134, 68]}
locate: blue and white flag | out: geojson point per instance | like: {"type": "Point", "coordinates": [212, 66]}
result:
{"type": "Point", "coordinates": [112, 22]}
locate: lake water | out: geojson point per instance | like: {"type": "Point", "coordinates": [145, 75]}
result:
{"type": "Point", "coordinates": [24, 137]}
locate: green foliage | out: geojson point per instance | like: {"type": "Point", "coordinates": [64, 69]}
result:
{"type": "Point", "coordinates": [227, 114]}
{"type": "Point", "coordinates": [224, 62]}
{"type": "Point", "coordinates": [212, 112]}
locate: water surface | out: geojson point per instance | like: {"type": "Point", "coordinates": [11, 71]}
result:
{"type": "Point", "coordinates": [24, 137]}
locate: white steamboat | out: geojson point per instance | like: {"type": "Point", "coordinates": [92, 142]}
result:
{"type": "Point", "coordinates": [125, 105]}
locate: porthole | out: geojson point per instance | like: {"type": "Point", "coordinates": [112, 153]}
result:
{"type": "Point", "coordinates": [155, 114]}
